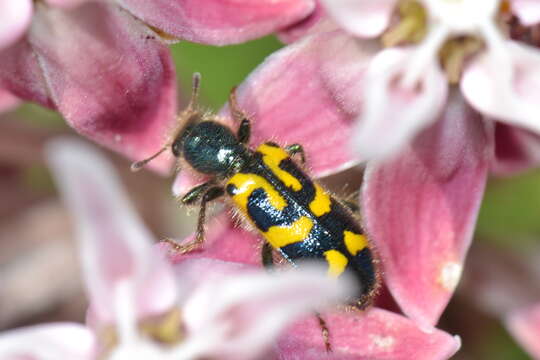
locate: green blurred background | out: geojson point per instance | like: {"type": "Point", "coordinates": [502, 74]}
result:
{"type": "Point", "coordinates": [509, 219]}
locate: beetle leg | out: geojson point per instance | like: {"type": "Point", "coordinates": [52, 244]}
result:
{"type": "Point", "coordinates": [210, 194]}
{"type": "Point", "coordinates": [294, 149]}
{"type": "Point", "coordinates": [195, 193]}
{"type": "Point", "coordinates": [267, 256]}
{"type": "Point", "coordinates": [325, 332]}
{"type": "Point", "coordinates": [244, 130]}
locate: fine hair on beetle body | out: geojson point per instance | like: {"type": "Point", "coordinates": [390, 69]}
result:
{"type": "Point", "coordinates": [298, 219]}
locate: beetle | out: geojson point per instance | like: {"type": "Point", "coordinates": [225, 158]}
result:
{"type": "Point", "coordinates": [295, 215]}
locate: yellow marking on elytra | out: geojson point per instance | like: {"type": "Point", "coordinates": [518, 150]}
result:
{"type": "Point", "coordinates": [321, 202]}
{"type": "Point", "coordinates": [280, 236]}
{"type": "Point", "coordinates": [272, 156]}
{"type": "Point", "coordinates": [247, 183]}
{"type": "Point", "coordinates": [354, 242]}
{"type": "Point", "coordinates": [337, 262]}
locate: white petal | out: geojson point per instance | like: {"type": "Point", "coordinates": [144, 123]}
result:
{"type": "Point", "coordinates": [461, 17]}
{"type": "Point", "coordinates": [392, 114]}
{"type": "Point", "coordinates": [15, 16]}
{"type": "Point", "coordinates": [528, 11]}
{"type": "Point", "coordinates": [115, 246]}
{"type": "Point", "coordinates": [59, 341]}
{"type": "Point", "coordinates": [505, 84]}
{"type": "Point", "coordinates": [364, 18]}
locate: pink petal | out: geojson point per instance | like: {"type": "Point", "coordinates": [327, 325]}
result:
{"type": "Point", "coordinates": [524, 325]}
{"type": "Point", "coordinates": [505, 84]}
{"type": "Point", "coordinates": [528, 11]}
{"type": "Point", "coordinates": [114, 244]}
{"type": "Point", "coordinates": [516, 150]}
{"type": "Point", "coordinates": [7, 101]}
{"type": "Point", "coordinates": [219, 22]}
{"type": "Point", "coordinates": [421, 207]}
{"type": "Point", "coordinates": [15, 16]}
{"type": "Point", "coordinates": [224, 240]}
{"type": "Point", "coordinates": [316, 22]}
{"type": "Point", "coordinates": [293, 97]}
{"type": "Point", "coordinates": [239, 316]}
{"type": "Point", "coordinates": [363, 18]}
{"type": "Point", "coordinates": [105, 76]}
{"type": "Point", "coordinates": [21, 74]}
{"type": "Point", "coordinates": [393, 114]}
{"type": "Point", "coordinates": [371, 335]}
{"type": "Point", "coordinates": [43, 342]}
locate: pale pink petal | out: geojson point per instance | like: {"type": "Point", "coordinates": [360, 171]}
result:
{"type": "Point", "coordinates": [7, 100]}
{"type": "Point", "coordinates": [111, 81]}
{"type": "Point", "coordinates": [316, 22]}
{"type": "Point", "coordinates": [364, 18]}
{"type": "Point", "coordinates": [225, 240]}
{"type": "Point", "coordinates": [15, 16]}
{"type": "Point", "coordinates": [505, 84]}
{"type": "Point", "coordinates": [192, 272]}
{"type": "Point", "coordinates": [219, 22]}
{"type": "Point", "coordinates": [516, 150]}
{"type": "Point", "coordinates": [294, 97]}
{"type": "Point", "coordinates": [528, 11]}
{"type": "Point", "coordinates": [371, 335]}
{"type": "Point", "coordinates": [114, 244]}
{"type": "Point", "coordinates": [524, 325]}
{"type": "Point", "coordinates": [420, 209]}
{"type": "Point", "coordinates": [393, 113]}
{"type": "Point", "coordinates": [238, 317]}
{"type": "Point", "coordinates": [45, 342]}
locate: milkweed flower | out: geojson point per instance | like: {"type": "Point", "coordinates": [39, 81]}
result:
{"type": "Point", "coordinates": [374, 334]}
{"type": "Point", "coordinates": [460, 42]}
{"type": "Point", "coordinates": [105, 67]}
{"type": "Point", "coordinates": [141, 307]}
{"type": "Point", "coordinates": [424, 183]}
{"type": "Point", "coordinates": [418, 211]}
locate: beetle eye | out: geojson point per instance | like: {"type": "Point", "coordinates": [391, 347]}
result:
{"type": "Point", "coordinates": [176, 147]}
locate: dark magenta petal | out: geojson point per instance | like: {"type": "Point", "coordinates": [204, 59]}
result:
{"type": "Point", "coordinates": [96, 65]}
{"type": "Point", "coordinates": [516, 150]}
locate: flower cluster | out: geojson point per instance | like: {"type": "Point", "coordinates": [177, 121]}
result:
{"type": "Point", "coordinates": [430, 96]}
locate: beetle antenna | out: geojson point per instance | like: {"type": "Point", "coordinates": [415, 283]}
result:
{"type": "Point", "coordinates": [136, 166]}
{"type": "Point", "coordinates": [196, 82]}
{"type": "Point", "coordinates": [195, 85]}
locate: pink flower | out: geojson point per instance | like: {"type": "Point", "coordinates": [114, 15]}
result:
{"type": "Point", "coordinates": [420, 209]}
{"type": "Point", "coordinates": [200, 308]}
{"type": "Point", "coordinates": [419, 205]}
{"type": "Point", "coordinates": [104, 64]}
{"type": "Point", "coordinates": [373, 334]}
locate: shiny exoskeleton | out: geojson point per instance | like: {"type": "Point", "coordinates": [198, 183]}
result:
{"type": "Point", "coordinates": [294, 214]}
